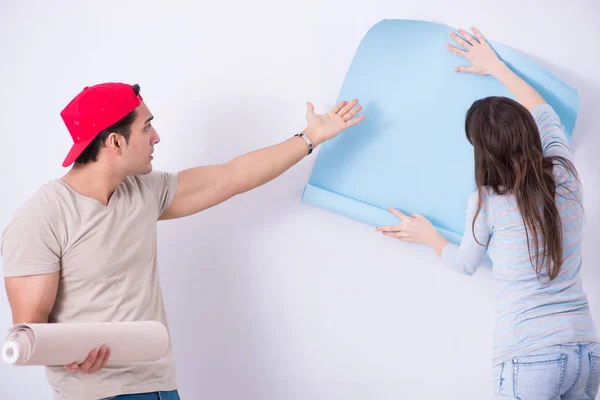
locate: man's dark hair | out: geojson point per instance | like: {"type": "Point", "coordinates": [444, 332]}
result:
{"type": "Point", "coordinates": [122, 127]}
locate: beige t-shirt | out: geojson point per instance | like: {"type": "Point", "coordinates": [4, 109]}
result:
{"type": "Point", "coordinates": [107, 260]}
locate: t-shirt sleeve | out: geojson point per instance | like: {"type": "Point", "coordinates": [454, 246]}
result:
{"type": "Point", "coordinates": [467, 258]}
{"type": "Point", "coordinates": [30, 245]}
{"type": "Point", "coordinates": [163, 186]}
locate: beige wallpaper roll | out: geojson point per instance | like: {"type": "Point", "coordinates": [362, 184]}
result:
{"type": "Point", "coordinates": [63, 343]}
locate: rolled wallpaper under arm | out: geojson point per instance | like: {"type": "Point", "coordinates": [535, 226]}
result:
{"type": "Point", "coordinates": [55, 344]}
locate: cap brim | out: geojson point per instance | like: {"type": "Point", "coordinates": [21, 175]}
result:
{"type": "Point", "coordinates": [75, 152]}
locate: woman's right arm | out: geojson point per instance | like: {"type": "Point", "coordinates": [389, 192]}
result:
{"type": "Point", "coordinates": [485, 61]}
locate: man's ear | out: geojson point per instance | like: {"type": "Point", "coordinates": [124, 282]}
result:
{"type": "Point", "coordinates": [115, 141]}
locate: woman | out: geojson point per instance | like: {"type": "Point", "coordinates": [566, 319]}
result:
{"type": "Point", "coordinates": [527, 199]}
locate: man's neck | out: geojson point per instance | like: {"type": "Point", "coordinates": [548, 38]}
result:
{"type": "Point", "coordinates": [93, 180]}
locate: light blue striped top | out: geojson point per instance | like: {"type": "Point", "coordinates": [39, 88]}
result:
{"type": "Point", "coordinates": [530, 313]}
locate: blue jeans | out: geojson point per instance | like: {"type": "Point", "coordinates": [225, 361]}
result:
{"type": "Point", "coordinates": [564, 372]}
{"type": "Point", "coordinates": [171, 395]}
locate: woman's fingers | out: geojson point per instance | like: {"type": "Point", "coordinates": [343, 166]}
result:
{"type": "Point", "coordinates": [468, 37]}
{"type": "Point", "coordinates": [402, 235]}
{"type": "Point", "coordinates": [478, 34]}
{"type": "Point", "coordinates": [389, 229]}
{"type": "Point", "coordinates": [471, 69]}
{"type": "Point", "coordinates": [399, 214]}
{"type": "Point", "coordinates": [456, 50]}
{"type": "Point", "coordinates": [404, 231]}
{"type": "Point", "coordinates": [460, 40]}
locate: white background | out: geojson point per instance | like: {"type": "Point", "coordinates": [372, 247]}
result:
{"type": "Point", "coordinates": [269, 298]}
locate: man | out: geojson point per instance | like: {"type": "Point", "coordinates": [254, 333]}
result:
{"type": "Point", "coordinates": [83, 248]}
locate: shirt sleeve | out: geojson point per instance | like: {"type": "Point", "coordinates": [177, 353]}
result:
{"type": "Point", "coordinates": [554, 143]}
{"type": "Point", "coordinates": [552, 132]}
{"type": "Point", "coordinates": [163, 186]}
{"type": "Point", "coordinates": [30, 245]}
{"type": "Point", "coordinates": [467, 257]}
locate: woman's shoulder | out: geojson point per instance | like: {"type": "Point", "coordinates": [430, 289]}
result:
{"type": "Point", "coordinates": [487, 195]}
{"type": "Point", "coordinates": [492, 201]}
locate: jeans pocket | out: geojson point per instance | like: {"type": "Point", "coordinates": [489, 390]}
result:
{"type": "Point", "coordinates": [591, 388]}
{"type": "Point", "coordinates": [538, 376]}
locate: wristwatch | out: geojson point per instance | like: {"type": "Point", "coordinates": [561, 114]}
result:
{"type": "Point", "coordinates": [307, 140]}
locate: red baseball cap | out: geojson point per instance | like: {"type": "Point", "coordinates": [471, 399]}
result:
{"type": "Point", "coordinates": [94, 109]}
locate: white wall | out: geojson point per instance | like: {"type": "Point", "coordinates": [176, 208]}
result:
{"type": "Point", "coordinates": [269, 298]}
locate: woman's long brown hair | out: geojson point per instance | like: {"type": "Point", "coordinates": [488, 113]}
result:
{"type": "Point", "coordinates": [509, 159]}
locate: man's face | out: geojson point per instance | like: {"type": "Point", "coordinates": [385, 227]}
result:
{"type": "Point", "coordinates": [138, 153]}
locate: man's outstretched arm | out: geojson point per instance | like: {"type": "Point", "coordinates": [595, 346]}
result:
{"type": "Point", "coordinates": [204, 187]}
